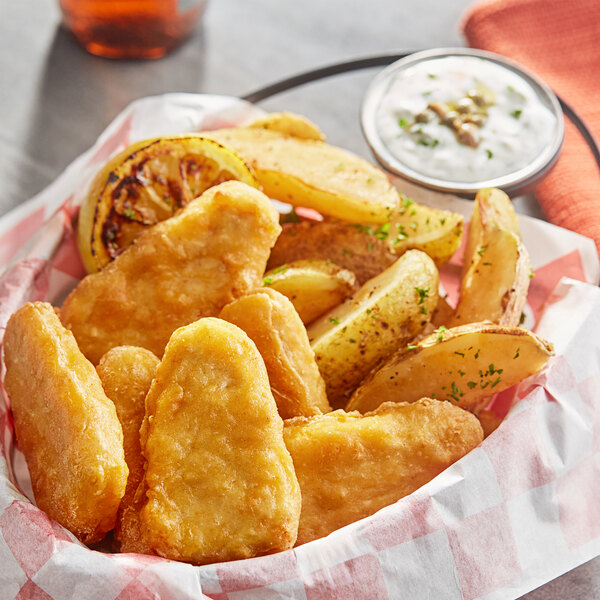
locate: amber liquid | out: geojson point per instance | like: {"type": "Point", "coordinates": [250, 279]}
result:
{"type": "Point", "coordinates": [130, 28]}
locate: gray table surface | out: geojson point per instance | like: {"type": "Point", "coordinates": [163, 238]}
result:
{"type": "Point", "coordinates": [55, 99]}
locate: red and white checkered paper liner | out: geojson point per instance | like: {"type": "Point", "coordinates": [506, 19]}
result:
{"type": "Point", "coordinates": [516, 512]}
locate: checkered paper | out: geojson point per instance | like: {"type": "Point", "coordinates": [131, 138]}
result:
{"type": "Point", "coordinates": [517, 511]}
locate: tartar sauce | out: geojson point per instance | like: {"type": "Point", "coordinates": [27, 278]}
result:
{"type": "Point", "coordinates": [463, 119]}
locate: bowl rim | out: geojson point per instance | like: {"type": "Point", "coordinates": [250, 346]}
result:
{"type": "Point", "coordinates": [513, 182]}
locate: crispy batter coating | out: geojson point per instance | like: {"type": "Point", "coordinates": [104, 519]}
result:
{"type": "Point", "coordinates": [66, 427]}
{"type": "Point", "coordinates": [220, 482]}
{"type": "Point", "coordinates": [349, 466]}
{"type": "Point", "coordinates": [272, 323]}
{"type": "Point", "coordinates": [187, 267]}
{"type": "Point", "coordinates": [126, 373]}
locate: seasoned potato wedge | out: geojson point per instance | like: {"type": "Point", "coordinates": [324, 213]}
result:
{"type": "Point", "coordinates": [346, 245]}
{"type": "Point", "coordinates": [290, 124]}
{"type": "Point", "coordinates": [492, 210]}
{"type": "Point", "coordinates": [313, 286]}
{"type": "Point", "coordinates": [464, 365]}
{"type": "Point", "coordinates": [271, 322]}
{"type": "Point", "coordinates": [349, 465]}
{"type": "Point", "coordinates": [436, 232]}
{"type": "Point", "coordinates": [387, 311]}
{"type": "Point", "coordinates": [310, 173]}
{"type": "Point", "coordinates": [495, 286]}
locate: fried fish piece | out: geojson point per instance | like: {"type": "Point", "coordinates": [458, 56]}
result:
{"type": "Point", "coordinates": [189, 266]}
{"type": "Point", "coordinates": [65, 425]}
{"type": "Point", "coordinates": [219, 481]}
{"type": "Point", "coordinates": [272, 323]}
{"type": "Point", "coordinates": [126, 373]}
{"type": "Point", "coordinates": [349, 465]}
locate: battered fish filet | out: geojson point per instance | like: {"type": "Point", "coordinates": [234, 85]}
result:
{"type": "Point", "coordinates": [219, 481]}
{"type": "Point", "coordinates": [189, 266]}
{"type": "Point", "coordinates": [349, 466]}
{"type": "Point", "coordinates": [126, 373]}
{"type": "Point", "coordinates": [65, 425]}
{"type": "Point", "coordinates": [273, 324]}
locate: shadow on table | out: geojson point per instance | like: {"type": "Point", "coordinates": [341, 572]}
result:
{"type": "Point", "coordinates": [79, 94]}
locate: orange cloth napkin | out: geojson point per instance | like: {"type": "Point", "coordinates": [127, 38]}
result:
{"type": "Point", "coordinates": [559, 40]}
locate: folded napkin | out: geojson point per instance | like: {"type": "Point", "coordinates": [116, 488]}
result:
{"type": "Point", "coordinates": [559, 40]}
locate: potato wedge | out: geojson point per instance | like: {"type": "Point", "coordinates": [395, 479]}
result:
{"type": "Point", "coordinates": [349, 465]}
{"type": "Point", "coordinates": [313, 286]}
{"type": "Point", "coordinates": [436, 232]}
{"type": "Point", "coordinates": [495, 287]}
{"type": "Point", "coordinates": [492, 210]}
{"type": "Point", "coordinates": [464, 365]}
{"type": "Point", "coordinates": [348, 246]}
{"type": "Point", "coordinates": [290, 124]}
{"type": "Point", "coordinates": [310, 173]}
{"type": "Point", "coordinates": [272, 323]}
{"type": "Point", "coordinates": [387, 311]}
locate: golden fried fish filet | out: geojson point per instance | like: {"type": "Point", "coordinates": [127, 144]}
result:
{"type": "Point", "coordinates": [349, 465]}
{"type": "Point", "coordinates": [189, 266]}
{"type": "Point", "coordinates": [65, 425]}
{"type": "Point", "coordinates": [219, 481]}
{"type": "Point", "coordinates": [273, 324]}
{"type": "Point", "coordinates": [126, 373]}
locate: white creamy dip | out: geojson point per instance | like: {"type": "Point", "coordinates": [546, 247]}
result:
{"type": "Point", "coordinates": [514, 130]}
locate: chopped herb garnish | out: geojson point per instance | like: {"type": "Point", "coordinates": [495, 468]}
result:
{"type": "Point", "coordinates": [460, 354]}
{"type": "Point", "coordinates": [423, 310]}
{"type": "Point", "coordinates": [440, 333]}
{"type": "Point", "coordinates": [516, 114]}
{"type": "Point", "coordinates": [442, 220]}
{"type": "Point", "coordinates": [481, 249]}
{"type": "Point", "coordinates": [531, 273]}
{"type": "Point", "coordinates": [423, 293]}
{"type": "Point", "coordinates": [516, 353]}
{"type": "Point", "coordinates": [281, 269]}
{"type": "Point", "coordinates": [487, 264]}
{"type": "Point", "coordinates": [477, 353]}
{"type": "Point", "coordinates": [370, 246]}
{"type": "Point", "coordinates": [431, 75]}
{"type": "Point", "coordinates": [495, 383]}
{"type": "Point", "coordinates": [382, 232]}
{"type": "Point", "coordinates": [403, 123]}
{"type": "Point", "coordinates": [461, 373]}
{"type": "Point", "coordinates": [522, 319]}
{"type": "Point", "coordinates": [346, 251]}
{"type": "Point", "coordinates": [414, 225]}
{"type": "Point", "coordinates": [352, 340]}
{"type": "Point", "coordinates": [489, 153]}
{"type": "Point", "coordinates": [334, 320]}
{"type": "Point", "coordinates": [370, 180]}
{"type": "Point", "coordinates": [130, 214]}
{"type": "Point", "coordinates": [412, 347]}
{"type": "Point", "coordinates": [471, 384]}
{"type": "Point", "coordinates": [267, 280]}
{"type": "Point", "coordinates": [435, 143]}
{"type": "Point", "coordinates": [423, 142]}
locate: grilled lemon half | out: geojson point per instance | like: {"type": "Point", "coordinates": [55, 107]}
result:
{"type": "Point", "coordinates": [147, 183]}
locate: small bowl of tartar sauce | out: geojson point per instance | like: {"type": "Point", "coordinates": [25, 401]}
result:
{"type": "Point", "coordinates": [459, 119]}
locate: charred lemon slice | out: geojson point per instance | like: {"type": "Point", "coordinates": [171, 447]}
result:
{"type": "Point", "coordinates": [147, 183]}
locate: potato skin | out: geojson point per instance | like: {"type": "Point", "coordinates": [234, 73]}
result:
{"type": "Point", "coordinates": [385, 314]}
{"type": "Point", "coordinates": [313, 286]}
{"type": "Point", "coordinates": [78, 478]}
{"type": "Point", "coordinates": [310, 173]}
{"type": "Point", "coordinates": [464, 365]}
{"type": "Point", "coordinates": [184, 268]}
{"type": "Point", "coordinates": [349, 465]}
{"type": "Point", "coordinates": [273, 324]}
{"type": "Point", "coordinates": [343, 244]}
